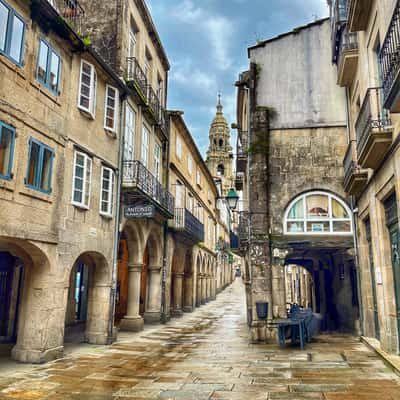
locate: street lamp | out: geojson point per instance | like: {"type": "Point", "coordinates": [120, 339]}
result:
{"type": "Point", "coordinates": [232, 199]}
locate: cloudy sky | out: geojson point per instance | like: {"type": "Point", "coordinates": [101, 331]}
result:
{"type": "Point", "coordinates": [206, 42]}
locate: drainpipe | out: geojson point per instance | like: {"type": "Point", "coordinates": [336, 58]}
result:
{"type": "Point", "coordinates": [116, 228]}
{"type": "Point", "coordinates": [165, 238]}
{"type": "Point", "coordinates": [353, 204]}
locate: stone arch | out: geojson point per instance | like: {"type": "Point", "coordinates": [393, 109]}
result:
{"type": "Point", "coordinates": [88, 299]}
{"type": "Point", "coordinates": [199, 272]}
{"type": "Point", "coordinates": [188, 283]}
{"type": "Point", "coordinates": [29, 297]}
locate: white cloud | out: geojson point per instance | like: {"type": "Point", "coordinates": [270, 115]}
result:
{"type": "Point", "coordinates": [216, 28]}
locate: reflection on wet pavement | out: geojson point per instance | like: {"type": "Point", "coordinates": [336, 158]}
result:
{"type": "Point", "coordinates": [207, 355]}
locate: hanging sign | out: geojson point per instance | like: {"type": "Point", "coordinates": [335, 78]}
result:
{"type": "Point", "coordinates": [147, 211]}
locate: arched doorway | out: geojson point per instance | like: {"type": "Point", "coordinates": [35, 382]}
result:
{"type": "Point", "coordinates": [121, 300]}
{"type": "Point", "coordinates": [88, 302]}
{"type": "Point", "coordinates": [198, 280]}
{"type": "Point", "coordinates": [11, 281]}
{"type": "Point", "coordinates": [188, 287]}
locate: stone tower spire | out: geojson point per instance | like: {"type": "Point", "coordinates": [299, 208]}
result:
{"type": "Point", "coordinates": [219, 154]}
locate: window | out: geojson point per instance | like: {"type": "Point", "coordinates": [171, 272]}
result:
{"type": "Point", "coordinates": [160, 89]}
{"type": "Point", "coordinates": [12, 32]}
{"type": "Point", "coordinates": [132, 41]}
{"type": "Point", "coordinates": [107, 189]}
{"type": "Point", "coordinates": [179, 194]}
{"type": "Point", "coordinates": [145, 146]}
{"type": "Point", "coordinates": [190, 203]}
{"type": "Point", "coordinates": [209, 229]}
{"type": "Point", "coordinates": [87, 88]}
{"type": "Point", "coordinates": [147, 67]}
{"type": "Point", "coordinates": [7, 138]}
{"type": "Point", "coordinates": [190, 164]}
{"type": "Point", "coordinates": [200, 214]}
{"type": "Point", "coordinates": [111, 109]}
{"type": "Point", "coordinates": [178, 146]}
{"type": "Point", "coordinates": [198, 177]}
{"type": "Point", "coordinates": [40, 164]}
{"type": "Point", "coordinates": [81, 180]}
{"type": "Point", "coordinates": [48, 67]}
{"type": "Point", "coordinates": [318, 213]}
{"type": "Point", "coordinates": [129, 143]}
{"type": "Point", "coordinates": [220, 170]}
{"type": "Point", "coordinates": [157, 161]}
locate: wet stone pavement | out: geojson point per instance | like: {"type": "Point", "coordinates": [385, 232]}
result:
{"type": "Point", "coordinates": [207, 355]}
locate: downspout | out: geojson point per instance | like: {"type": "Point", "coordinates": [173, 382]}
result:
{"type": "Point", "coordinates": [353, 204]}
{"type": "Point", "coordinates": [116, 228]}
{"type": "Point", "coordinates": [165, 237]}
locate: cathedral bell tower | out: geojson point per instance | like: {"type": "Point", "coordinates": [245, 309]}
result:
{"type": "Point", "coordinates": [219, 155]}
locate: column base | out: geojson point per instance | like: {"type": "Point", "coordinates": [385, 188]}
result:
{"type": "Point", "coordinates": [152, 317]}
{"type": "Point", "coordinates": [97, 338]}
{"type": "Point", "coordinates": [36, 356]}
{"type": "Point", "coordinates": [131, 324]}
{"type": "Point", "coordinates": [203, 302]}
{"type": "Point", "coordinates": [187, 309]}
{"type": "Point", "coordinates": [177, 313]}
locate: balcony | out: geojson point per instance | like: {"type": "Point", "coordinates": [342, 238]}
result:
{"type": "Point", "coordinates": [373, 130]}
{"type": "Point", "coordinates": [390, 63]}
{"type": "Point", "coordinates": [187, 224]}
{"type": "Point", "coordinates": [347, 58]}
{"type": "Point", "coordinates": [359, 11]}
{"type": "Point", "coordinates": [242, 151]}
{"type": "Point", "coordinates": [71, 11]}
{"type": "Point", "coordinates": [355, 178]}
{"type": "Point", "coordinates": [239, 181]}
{"type": "Point", "coordinates": [136, 79]}
{"type": "Point", "coordinates": [141, 186]}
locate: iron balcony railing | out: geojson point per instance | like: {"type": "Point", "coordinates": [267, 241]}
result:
{"type": "Point", "coordinates": [136, 75]}
{"type": "Point", "coordinates": [71, 11]}
{"type": "Point", "coordinates": [135, 174]}
{"type": "Point", "coordinates": [153, 102]}
{"type": "Point", "coordinates": [186, 222]}
{"type": "Point", "coordinates": [371, 116]}
{"type": "Point", "coordinates": [339, 13]}
{"type": "Point", "coordinates": [390, 53]}
{"type": "Point", "coordinates": [348, 42]}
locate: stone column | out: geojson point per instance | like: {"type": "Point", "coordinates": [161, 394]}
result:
{"type": "Point", "coordinates": [133, 321]}
{"type": "Point", "coordinates": [178, 284]}
{"type": "Point", "coordinates": [278, 291]}
{"type": "Point", "coordinates": [213, 288]}
{"type": "Point", "coordinates": [198, 290]}
{"type": "Point", "coordinates": [153, 309]}
{"type": "Point", "coordinates": [203, 288]}
{"type": "Point", "coordinates": [188, 293]}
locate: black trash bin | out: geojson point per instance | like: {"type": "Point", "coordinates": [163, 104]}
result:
{"type": "Point", "coordinates": [262, 309]}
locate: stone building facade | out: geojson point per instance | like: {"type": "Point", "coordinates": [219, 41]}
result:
{"type": "Point", "coordinates": [292, 137]}
{"type": "Point", "coordinates": [199, 269]}
{"type": "Point", "coordinates": [365, 41]}
{"type": "Point", "coordinates": [59, 147]}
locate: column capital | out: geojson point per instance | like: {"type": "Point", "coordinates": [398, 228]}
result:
{"type": "Point", "coordinates": [135, 267]}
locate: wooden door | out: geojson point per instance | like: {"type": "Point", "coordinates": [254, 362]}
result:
{"type": "Point", "coordinates": [6, 279]}
{"type": "Point", "coordinates": [395, 249]}
{"type": "Point", "coordinates": [121, 306]}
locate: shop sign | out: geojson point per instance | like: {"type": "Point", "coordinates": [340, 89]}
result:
{"type": "Point", "coordinates": [147, 211]}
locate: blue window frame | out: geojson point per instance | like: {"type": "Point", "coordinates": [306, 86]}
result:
{"type": "Point", "coordinates": [48, 67]}
{"type": "Point", "coordinates": [40, 166]}
{"type": "Point", "coordinates": [7, 139]}
{"type": "Point", "coordinates": [12, 33]}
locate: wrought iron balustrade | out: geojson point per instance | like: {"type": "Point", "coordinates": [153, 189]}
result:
{"type": "Point", "coordinates": [348, 162]}
{"type": "Point", "coordinates": [135, 174]}
{"type": "Point", "coordinates": [136, 74]}
{"type": "Point", "coordinates": [348, 42]}
{"type": "Point", "coordinates": [71, 11]}
{"type": "Point", "coordinates": [390, 53]}
{"type": "Point", "coordinates": [372, 115]}
{"type": "Point", "coordinates": [153, 102]}
{"type": "Point", "coordinates": [242, 144]}
{"type": "Point", "coordinates": [185, 221]}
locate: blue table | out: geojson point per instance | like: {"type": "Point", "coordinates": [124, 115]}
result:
{"type": "Point", "coordinates": [297, 327]}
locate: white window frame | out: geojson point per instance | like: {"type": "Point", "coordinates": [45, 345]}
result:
{"type": "Point", "coordinates": [110, 193]}
{"type": "Point", "coordinates": [116, 109]}
{"type": "Point", "coordinates": [91, 110]}
{"type": "Point", "coordinates": [132, 42]}
{"type": "Point", "coordinates": [144, 149]}
{"type": "Point", "coordinates": [129, 137]}
{"type": "Point", "coordinates": [190, 164]}
{"type": "Point", "coordinates": [178, 146]}
{"type": "Point", "coordinates": [179, 195]}
{"type": "Point", "coordinates": [157, 160]}
{"type": "Point", "coordinates": [190, 203]}
{"type": "Point", "coordinates": [209, 229]}
{"type": "Point", "coordinates": [86, 185]}
{"type": "Point", "coordinates": [329, 218]}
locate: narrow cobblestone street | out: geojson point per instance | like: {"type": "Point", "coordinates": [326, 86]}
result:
{"type": "Point", "coordinates": [206, 355]}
